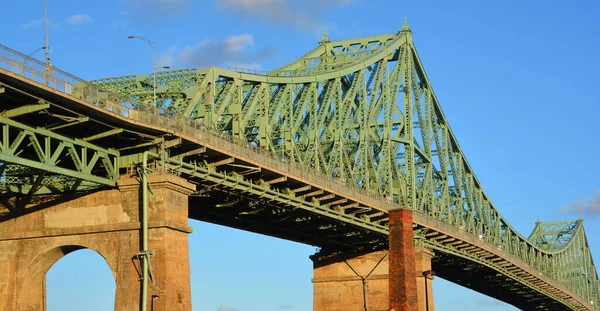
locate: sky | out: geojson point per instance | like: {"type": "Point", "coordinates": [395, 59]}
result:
{"type": "Point", "coordinates": [517, 81]}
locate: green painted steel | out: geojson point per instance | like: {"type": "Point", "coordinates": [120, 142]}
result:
{"type": "Point", "coordinates": [365, 112]}
{"type": "Point", "coordinates": [24, 110]}
{"type": "Point", "coordinates": [362, 111]}
{"type": "Point", "coordinates": [25, 180]}
{"type": "Point", "coordinates": [572, 262]}
{"type": "Point", "coordinates": [42, 157]}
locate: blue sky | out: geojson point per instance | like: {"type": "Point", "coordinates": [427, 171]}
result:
{"type": "Point", "coordinates": [517, 81]}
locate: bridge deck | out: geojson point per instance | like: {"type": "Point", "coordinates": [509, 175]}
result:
{"type": "Point", "coordinates": [491, 270]}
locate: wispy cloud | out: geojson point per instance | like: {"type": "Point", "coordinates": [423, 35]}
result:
{"type": "Point", "coordinates": [234, 51]}
{"type": "Point", "coordinates": [78, 19]}
{"type": "Point", "coordinates": [226, 308]}
{"type": "Point", "coordinates": [37, 22]}
{"type": "Point", "coordinates": [304, 15]}
{"type": "Point", "coordinates": [286, 307]}
{"type": "Point", "coordinates": [587, 206]}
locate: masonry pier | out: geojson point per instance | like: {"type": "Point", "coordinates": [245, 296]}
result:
{"type": "Point", "coordinates": [363, 282]}
{"type": "Point", "coordinates": [108, 223]}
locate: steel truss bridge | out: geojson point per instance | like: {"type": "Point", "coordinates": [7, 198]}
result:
{"type": "Point", "coordinates": [317, 151]}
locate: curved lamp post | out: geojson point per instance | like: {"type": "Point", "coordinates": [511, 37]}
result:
{"type": "Point", "coordinates": [428, 275]}
{"type": "Point", "coordinates": [152, 44]}
{"type": "Point", "coordinates": [144, 251]}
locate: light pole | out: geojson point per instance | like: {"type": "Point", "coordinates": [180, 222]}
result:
{"type": "Point", "coordinates": [46, 47]}
{"type": "Point", "coordinates": [153, 46]}
{"type": "Point", "coordinates": [145, 266]}
{"type": "Point", "coordinates": [428, 275]}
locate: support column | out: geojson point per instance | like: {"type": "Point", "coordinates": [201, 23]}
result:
{"type": "Point", "coordinates": [402, 281]}
{"type": "Point", "coordinates": [168, 243]}
{"type": "Point", "coordinates": [378, 281]}
{"type": "Point", "coordinates": [32, 240]}
{"type": "Point", "coordinates": [423, 257]}
{"type": "Point", "coordinates": [355, 283]}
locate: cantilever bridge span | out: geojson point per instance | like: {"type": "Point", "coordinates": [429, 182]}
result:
{"type": "Point", "coordinates": [318, 151]}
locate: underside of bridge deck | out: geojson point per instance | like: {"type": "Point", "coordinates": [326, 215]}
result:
{"type": "Point", "coordinates": [295, 225]}
{"type": "Point", "coordinates": [491, 283]}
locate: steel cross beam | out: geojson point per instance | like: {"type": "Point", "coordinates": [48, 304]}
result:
{"type": "Point", "coordinates": [24, 180]}
{"type": "Point", "coordinates": [46, 151]}
{"type": "Point", "coordinates": [281, 197]}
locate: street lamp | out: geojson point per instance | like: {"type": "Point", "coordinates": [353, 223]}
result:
{"type": "Point", "coordinates": [153, 46]}
{"type": "Point", "coordinates": [46, 47]}
{"type": "Point", "coordinates": [428, 275]}
{"type": "Point", "coordinates": [33, 53]}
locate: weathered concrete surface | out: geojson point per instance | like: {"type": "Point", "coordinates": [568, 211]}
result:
{"type": "Point", "coordinates": [339, 286]}
{"type": "Point", "coordinates": [423, 263]}
{"type": "Point", "coordinates": [108, 223]}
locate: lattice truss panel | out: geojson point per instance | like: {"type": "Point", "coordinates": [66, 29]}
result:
{"type": "Point", "coordinates": [571, 258]}
{"type": "Point", "coordinates": [39, 161]}
{"type": "Point", "coordinates": [365, 112]}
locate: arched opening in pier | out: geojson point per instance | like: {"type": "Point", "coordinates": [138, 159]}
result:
{"type": "Point", "coordinates": [81, 280]}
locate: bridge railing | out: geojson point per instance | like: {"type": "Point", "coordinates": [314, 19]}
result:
{"type": "Point", "coordinates": [63, 82]}
{"type": "Point", "coordinates": [250, 71]}
{"type": "Point", "coordinates": [55, 79]}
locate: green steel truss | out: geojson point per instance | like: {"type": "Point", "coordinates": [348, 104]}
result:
{"type": "Point", "coordinates": [39, 161]}
{"type": "Point", "coordinates": [571, 262]}
{"type": "Point", "coordinates": [364, 111]}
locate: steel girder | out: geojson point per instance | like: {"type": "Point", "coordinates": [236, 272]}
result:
{"type": "Point", "coordinates": [374, 123]}
{"type": "Point", "coordinates": [24, 180]}
{"type": "Point", "coordinates": [39, 161]}
{"type": "Point", "coordinates": [263, 191]}
{"type": "Point", "coordinates": [572, 261]}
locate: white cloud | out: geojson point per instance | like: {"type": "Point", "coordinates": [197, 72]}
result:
{"type": "Point", "coordinates": [71, 20]}
{"type": "Point", "coordinates": [286, 307]}
{"type": "Point", "coordinates": [235, 44]}
{"type": "Point", "coordinates": [304, 14]}
{"type": "Point", "coordinates": [226, 308]}
{"type": "Point", "coordinates": [78, 19]}
{"type": "Point", "coordinates": [234, 51]}
{"type": "Point", "coordinates": [589, 207]}
{"type": "Point", "coordinates": [32, 23]}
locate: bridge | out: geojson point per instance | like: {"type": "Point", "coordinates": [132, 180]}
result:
{"type": "Point", "coordinates": [346, 148]}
